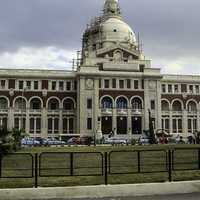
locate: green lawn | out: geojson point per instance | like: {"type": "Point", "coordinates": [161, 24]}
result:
{"type": "Point", "coordinates": [57, 163]}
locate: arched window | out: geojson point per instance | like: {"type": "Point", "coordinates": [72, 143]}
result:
{"type": "Point", "coordinates": [53, 104]}
{"type": "Point", "coordinates": [3, 103]}
{"type": "Point", "coordinates": [165, 105]}
{"type": "Point", "coordinates": [177, 106]}
{"type": "Point", "coordinates": [122, 103]}
{"type": "Point", "coordinates": [106, 102]}
{"type": "Point", "coordinates": [192, 106]}
{"type": "Point", "coordinates": [136, 103]}
{"type": "Point", "coordinates": [20, 103]}
{"type": "Point", "coordinates": [35, 104]}
{"type": "Point", "coordinates": [68, 104]}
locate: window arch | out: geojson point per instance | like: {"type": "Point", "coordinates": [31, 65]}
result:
{"type": "Point", "coordinates": [122, 103]}
{"type": "Point", "coordinates": [20, 103]}
{"type": "Point", "coordinates": [53, 104]}
{"type": "Point", "coordinates": [35, 103]}
{"type": "Point", "coordinates": [191, 106]}
{"type": "Point", "coordinates": [165, 105]}
{"type": "Point", "coordinates": [106, 102]}
{"type": "Point", "coordinates": [3, 103]}
{"type": "Point", "coordinates": [68, 104]}
{"type": "Point", "coordinates": [136, 103]}
{"type": "Point", "coordinates": [177, 106]}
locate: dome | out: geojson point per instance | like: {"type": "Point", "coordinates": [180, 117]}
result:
{"type": "Point", "coordinates": [116, 30]}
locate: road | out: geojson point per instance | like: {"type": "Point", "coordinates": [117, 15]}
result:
{"type": "Point", "coordinates": [194, 196]}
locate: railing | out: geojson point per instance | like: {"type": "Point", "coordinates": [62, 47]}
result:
{"type": "Point", "coordinates": [96, 164]}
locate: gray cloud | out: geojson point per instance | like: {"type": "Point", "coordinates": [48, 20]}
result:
{"type": "Point", "coordinates": [169, 29]}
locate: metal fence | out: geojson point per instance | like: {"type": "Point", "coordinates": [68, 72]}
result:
{"type": "Point", "coordinates": [114, 163]}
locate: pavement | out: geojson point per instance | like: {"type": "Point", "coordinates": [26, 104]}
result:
{"type": "Point", "coordinates": [193, 196]}
{"type": "Point", "coordinates": [110, 192]}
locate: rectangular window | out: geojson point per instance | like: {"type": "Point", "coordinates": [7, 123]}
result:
{"type": "Point", "coordinates": [197, 89]}
{"type": "Point", "coordinates": [61, 85]}
{"type": "Point", "coordinates": [176, 89]}
{"type": "Point", "coordinates": [128, 81]}
{"type": "Point", "coordinates": [99, 83]}
{"type": "Point", "coordinates": [152, 104]}
{"type": "Point", "coordinates": [191, 89]}
{"type": "Point", "coordinates": [28, 85]}
{"type": "Point", "coordinates": [21, 85]}
{"type": "Point", "coordinates": [121, 84]}
{"type": "Point", "coordinates": [56, 125]}
{"type": "Point", "coordinates": [136, 84]}
{"type": "Point", "coordinates": [65, 125]}
{"type": "Point", "coordinates": [75, 85]}
{"type": "Point", "coordinates": [50, 125]}
{"type": "Point", "coordinates": [68, 86]}
{"type": "Point", "coordinates": [113, 83]}
{"type": "Point", "coordinates": [32, 125]}
{"type": "Point", "coordinates": [89, 103]}
{"type": "Point", "coordinates": [3, 84]}
{"type": "Point", "coordinates": [89, 123]}
{"type": "Point", "coordinates": [36, 85]}
{"type": "Point", "coordinates": [38, 125]}
{"type": "Point", "coordinates": [106, 84]}
{"type": "Point", "coordinates": [163, 88]}
{"type": "Point", "coordinates": [169, 88]}
{"type": "Point", "coordinates": [53, 85]}
{"type": "Point", "coordinates": [183, 88]}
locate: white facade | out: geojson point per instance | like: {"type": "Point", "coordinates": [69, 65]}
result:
{"type": "Point", "coordinates": [113, 88]}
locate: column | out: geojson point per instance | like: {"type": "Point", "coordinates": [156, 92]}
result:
{"type": "Point", "coordinates": [184, 122]}
{"type": "Point", "coordinates": [198, 118]}
{"type": "Point", "coordinates": [159, 115]}
{"type": "Point", "coordinates": [44, 120]}
{"type": "Point", "coordinates": [114, 120]}
{"type": "Point", "coordinates": [10, 121]}
{"type": "Point", "coordinates": [129, 121]}
{"type": "Point", "coordinates": [170, 122]}
{"type": "Point", "coordinates": [60, 122]}
{"type": "Point", "coordinates": [146, 104]}
{"type": "Point", "coordinates": [27, 121]}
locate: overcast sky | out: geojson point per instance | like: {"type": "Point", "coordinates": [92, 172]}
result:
{"type": "Point", "coordinates": [47, 33]}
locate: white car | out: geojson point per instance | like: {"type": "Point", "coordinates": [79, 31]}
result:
{"type": "Point", "coordinates": [115, 141]}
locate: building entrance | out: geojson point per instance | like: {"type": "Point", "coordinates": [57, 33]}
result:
{"type": "Point", "coordinates": [136, 125]}
{"type": "Point", "coordinates": [121, 125]}
{"type": "Point", "coordinates": [106, 125]}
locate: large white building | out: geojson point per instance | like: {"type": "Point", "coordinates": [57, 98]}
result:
{"type": "Point", "coordinates": [113, 88]}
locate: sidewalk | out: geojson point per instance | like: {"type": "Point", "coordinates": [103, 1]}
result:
{"type": "Point", "coordinates": [102, 191]}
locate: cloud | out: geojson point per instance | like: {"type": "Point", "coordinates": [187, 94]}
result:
{"type": "Point", "coordinates": [42, 58]}
{"type": "Point", "coordinates": [169, 30]}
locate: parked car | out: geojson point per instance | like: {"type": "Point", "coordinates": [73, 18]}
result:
{"type": "Point", "coordinates": [80, 141]}
{"type": "Point", "coordinates": [30, 142]}
{"type": "Point", "coordinates": [53, 141]}
{"type": "Point", "coordinates": [115, 141]}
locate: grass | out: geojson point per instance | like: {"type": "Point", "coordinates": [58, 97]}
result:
{"type": "Point", "coordinates": [57, 165]}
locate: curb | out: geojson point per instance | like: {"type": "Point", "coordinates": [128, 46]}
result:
{"type": "Point", "coordinates": [102, 191]}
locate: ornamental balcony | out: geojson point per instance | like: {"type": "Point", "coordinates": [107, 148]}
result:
{"type": "Point", "coordinates": [106, 111]}
{"type": "Point", "coordinates": [137, 111]}
{"type": "Point", "coordinates": [122, 111]}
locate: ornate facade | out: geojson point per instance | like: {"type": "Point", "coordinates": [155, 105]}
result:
{"type": "Point", "coordinates": [113, 88]}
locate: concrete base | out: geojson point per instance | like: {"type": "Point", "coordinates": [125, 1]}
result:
{"type": "Point", "coordinates": [101, 191]}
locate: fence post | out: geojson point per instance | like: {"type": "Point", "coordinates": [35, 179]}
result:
{"type": "Point", "coordinates": [1, 165]}
{"type": "Point", "coordinates": [36, 170]}
{"type": "Point", "coordinates": [139, 167]}
{"type": "Point", "coordinates": [71, 164]}
{"type": "Point", "coordinates": [170, 165]}
{"type": "Point", "coordinates": [199, 158]}
{"type": "Point", "coordinates": [106, 168]}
